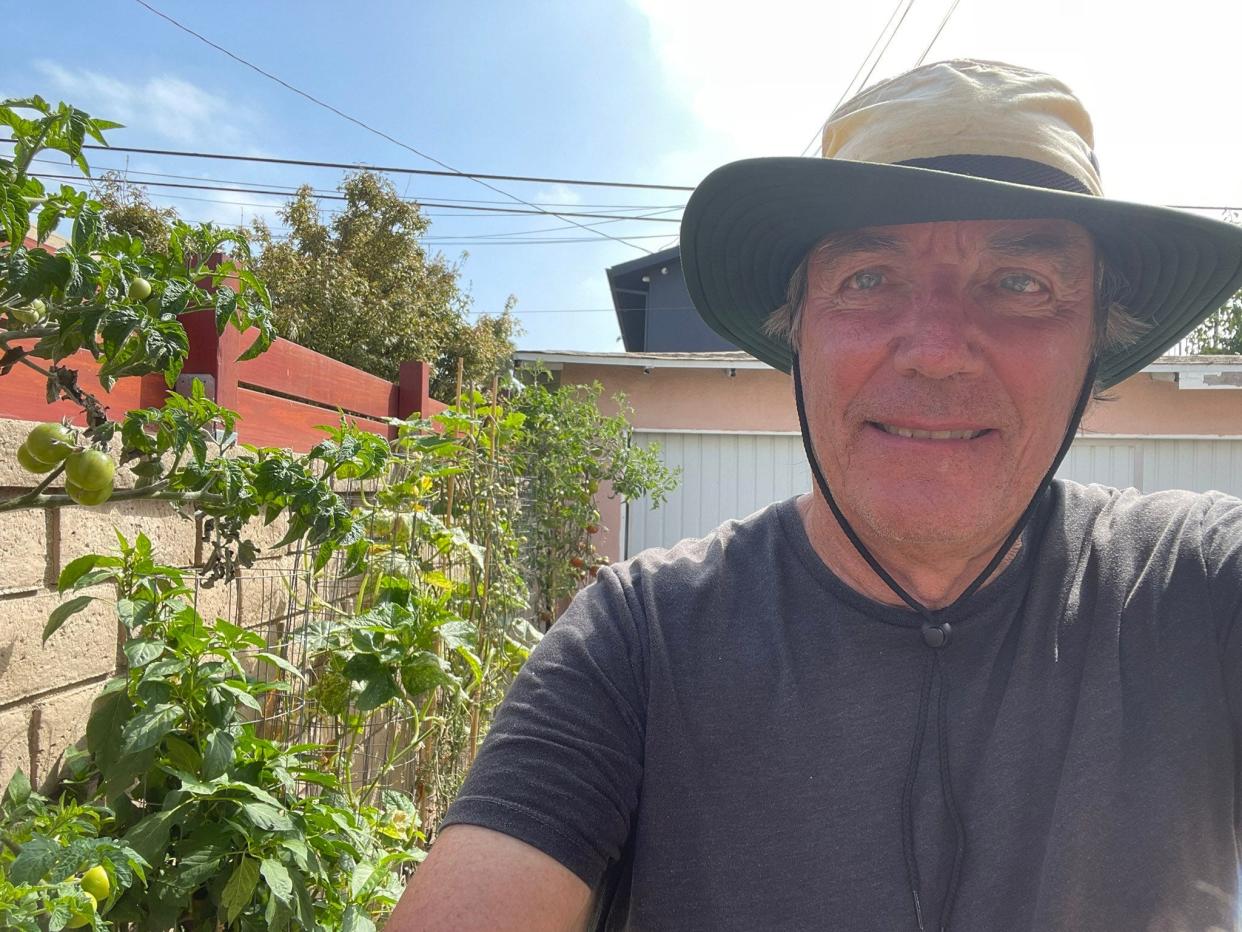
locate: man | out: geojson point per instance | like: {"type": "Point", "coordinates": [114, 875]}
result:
{"type": "Point", "coordinates": [941, 691]}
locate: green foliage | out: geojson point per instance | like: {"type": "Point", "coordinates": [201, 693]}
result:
{"type": "Point", "coordinates": [47, 846]}
{"type": "Point", "coordinates": [125, 208]}
{"type": "Point", "coordinates": [365, 291]}
{"type": "Point", "coordinates": [569, 447]}
{"type": "Point", "coordinates": [198, 815]}
{"type": "Point", "coordinates": [215, 812]}
{"type": "Point", "coordinates": [84, 287]}
{"type": "Point", "coordinates": [1221, 333]}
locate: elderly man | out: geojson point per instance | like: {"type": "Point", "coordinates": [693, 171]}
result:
{"type": "Point", "coordinates": [942, 691]}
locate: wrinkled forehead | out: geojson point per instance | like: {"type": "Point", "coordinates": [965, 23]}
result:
{"type": "Point", "coordinates": [1068, 246]}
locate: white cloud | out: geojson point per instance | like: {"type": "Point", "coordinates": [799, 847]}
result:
{"type": "Point", "coordinates": [174, 110]}
{"type": "Point", "coordinates": [759, 79]}
{"type": "Point", "coordinates": [557, 194]}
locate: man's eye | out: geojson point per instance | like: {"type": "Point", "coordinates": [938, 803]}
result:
{"type": "Point", "coordinates": [1022, 284]}
{"type": "Point", "coordinates": [864, 281]}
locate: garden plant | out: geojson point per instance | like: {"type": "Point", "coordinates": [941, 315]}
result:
{"type": "Point", "coordinates": [286, 776]}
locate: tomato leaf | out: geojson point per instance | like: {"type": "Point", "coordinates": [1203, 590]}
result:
{"type": "Point", "coordinates": [35, 860]}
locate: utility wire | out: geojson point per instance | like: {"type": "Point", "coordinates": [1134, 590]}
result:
{"type": "Point", "coordinates": [292, 189]}
{"type": "Point", "coordinates": [380, 133]}
{"type": "Point", "coordinates": [939, 29]}
{"type": "Point", "coordinates": [891, 36]}
{"type": "Point", "coordinates": [388, 169]}
{"type": "Point", "coordinates": [861, 65]}
{"type": "Point", "coordinates": [341, 197]}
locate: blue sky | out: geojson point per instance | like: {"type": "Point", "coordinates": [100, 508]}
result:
{"type": "Point", "coordinates": [656, 91]}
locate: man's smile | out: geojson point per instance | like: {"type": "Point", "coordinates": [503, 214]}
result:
{"type": "Point", "coordinates": [915, 433]}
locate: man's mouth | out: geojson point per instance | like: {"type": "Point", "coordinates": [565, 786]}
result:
{"type": "Point", "coordinates": [914, 434]}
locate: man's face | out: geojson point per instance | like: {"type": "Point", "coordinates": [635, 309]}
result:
{"type": "Point", "coordinates": [940, 363]}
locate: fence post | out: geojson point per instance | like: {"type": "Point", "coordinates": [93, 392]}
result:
{"type": "Point", "coordinates": [413, 388]}
{"type": "Point", "coordinates": [212, 357]}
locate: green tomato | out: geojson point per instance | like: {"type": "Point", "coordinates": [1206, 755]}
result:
{"type": "Point", "coordinates": [50, 442]}
{"type": "Point", "coordinates": [95, 882]}
{"type": "Point", "coordinates": [87, 496]}
{"type": "Point", "coordinates": [91, 470]}
{"type": "Point", "coordinates": [82, 918]}
{"type": "Point", "coordinates": [139, 289]}
{"type": "Point", "coordinates": [32, 463]}
{"type": "Point", "coordinates": [30, 313]}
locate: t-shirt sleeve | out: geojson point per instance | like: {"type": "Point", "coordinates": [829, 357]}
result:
{"type": "Point", "coordinates": [561, 767]}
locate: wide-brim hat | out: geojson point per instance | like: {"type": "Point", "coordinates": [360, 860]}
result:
{"type": "Point", "coordinates": [960, 140]}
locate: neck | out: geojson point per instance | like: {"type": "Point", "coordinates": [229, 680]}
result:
{"type": "Point", "coordinates": [933, 575]}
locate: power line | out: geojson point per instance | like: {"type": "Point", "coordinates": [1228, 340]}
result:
{"type": "Point", "coordinates": [939, 29]}
{"type": "Point", "coordinates": [389, 169]}
{"type": "Point", "coordinates": [292, 189]}
{"type": "Point", "coordinates": [380, 133]}
{"type": "Point", "coordinates": [861, 65]}
{"type": "Point", "coordinates": [341, 197]}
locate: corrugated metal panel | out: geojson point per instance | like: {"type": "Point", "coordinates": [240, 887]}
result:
{"type": "Point", "coordinates": [732, 475]}
{"type": "Point", "coordinates": [1153, 465]}
{"type": "Point", "coordinates": [1106, 463]}
{"type": "Point", "coordinates": [723, 476]}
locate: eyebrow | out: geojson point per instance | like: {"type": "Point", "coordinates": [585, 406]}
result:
{"type": "Point", "coordinates": [843, 245]}
{"type": "Point", "coordinates": [1052, 244]}
{"type": "Point", "coordinates": [1048, 243]}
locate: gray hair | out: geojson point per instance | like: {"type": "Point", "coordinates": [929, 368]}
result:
{"type": "Point", "coordinates": [1115, 326]}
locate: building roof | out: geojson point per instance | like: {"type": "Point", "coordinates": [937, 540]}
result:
{"type": "Point", "coordinates": [1206, 371]}
{"type": "Point", "coordinates": [629, 283]}
{"type": "Point", "coordinates": [734, 359]}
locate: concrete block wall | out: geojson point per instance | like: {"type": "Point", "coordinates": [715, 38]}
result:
{"type": "Point", "coordinates": [46, 690]}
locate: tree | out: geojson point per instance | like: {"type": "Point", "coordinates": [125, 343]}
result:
{"type": "Point", "coordinates": [364, 290]}
{"type": "Point", "coordinates": [125, 208]}
{"type": "Point", "coordinates": [1221, 333]}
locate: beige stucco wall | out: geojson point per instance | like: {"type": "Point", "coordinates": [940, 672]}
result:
{"type": "Point", "coordinates": [709, 399]}
{"type": "Point", "coordinates": [46, 690]}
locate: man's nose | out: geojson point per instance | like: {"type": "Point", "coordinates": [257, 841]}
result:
{"type": "Point", "coordinates": [938, 339]}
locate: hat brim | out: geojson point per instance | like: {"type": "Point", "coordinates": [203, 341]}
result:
{"type": "Point", "coordinates": [749, 224]}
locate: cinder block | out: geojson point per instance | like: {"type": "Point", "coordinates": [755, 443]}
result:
{"type": "Point", "coordinates": [60, 722]}
{"type": "Point", "coordinates": [13, 434]}
{"type": "Point", "coordinates": [84, 647]}
{"type": "Point", "coordinates": [265, 536]}
{"type": "Point", "coordinates": [14, 743]}
{"type": "Point", "coordinates": [223, 600]}
{"type": "Point", "coordinates": [90, 530]}
{"type": "Point", "coordinates": [266, 596]}
{"type": "Point", "coordinates": [24, 550]}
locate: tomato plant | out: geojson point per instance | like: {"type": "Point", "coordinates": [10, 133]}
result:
{"type": "Point", "coordinates": [568, 448]}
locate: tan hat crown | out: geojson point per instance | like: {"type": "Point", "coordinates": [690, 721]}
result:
{"type": "Point", "coordinates": [967, 108]}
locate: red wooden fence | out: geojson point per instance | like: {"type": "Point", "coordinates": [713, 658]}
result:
{"type": "Point", "coordinates": [280, 397]}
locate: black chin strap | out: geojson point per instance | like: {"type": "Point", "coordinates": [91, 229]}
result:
{"type": "Point", "coordinates": [935, 635]}
{"type": "Point", "coordinates": [1084, 396]}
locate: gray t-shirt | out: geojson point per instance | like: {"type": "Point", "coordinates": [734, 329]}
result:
{"type": "Point", "coordinates": [720, 736]}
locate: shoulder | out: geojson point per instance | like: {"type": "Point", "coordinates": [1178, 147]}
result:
{"type": "Point", "coordinates": [1146, 518]}
{"type": "Point", "coordinates": [692, 589]}
{"type": "Point", "coordinates": [1192, 532]}
{"type": "Point", "coordinates": [738, 549]}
